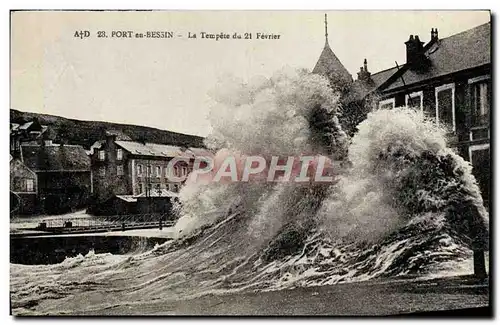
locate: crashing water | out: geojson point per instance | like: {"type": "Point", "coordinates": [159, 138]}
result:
{"type": "Point", "coordinates": [403, 207]}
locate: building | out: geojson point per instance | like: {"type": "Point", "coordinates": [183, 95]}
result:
{"type": "Point", "coordinates": [56, 177]}
{"type": "Point", "coordinates": [46, 177]}
{"type": "Point", "coordinates": [449, 79]}
{"type": "Point", "coordinates": [124, 172]}
{"type": "Point", "coordinates": [329, 66]}
{"type": "Point", "coordinates": [23, 188]}
{"type": "Point", "coordinates": [29, 132]}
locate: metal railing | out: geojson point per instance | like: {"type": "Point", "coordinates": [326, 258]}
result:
{"type": "Point", "coordinates": [108, 223]}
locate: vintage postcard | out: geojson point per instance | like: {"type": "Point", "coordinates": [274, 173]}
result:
{"type": "Point", "coordinates": [245, 163]}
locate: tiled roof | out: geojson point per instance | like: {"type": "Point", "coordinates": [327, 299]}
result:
{"type": "Point", "coordinates": [154, 193]}
{"type": "Point", "coordinates": [329, 65]}
{"type": "Point", "coordinates": [55, 158]}
{"type": "Point", "coordinates": [199, 152]}
{"type": "Point", "coordinates": [462, 51]}
{"type": "Point", "coordinates": [26, 125]}
{"type": "Point", "coordinates": [127, 198]}
{"type": "Point", "coordinates": [161, 150]}
{"type": "Point", "coordinates": [151, 149]}
{"type": "Point", "coordinates": [360, 89]}
{"type": "Point", "coordinates": [163, 193]}
{"type": "Point", "coordinates": [382, 76]}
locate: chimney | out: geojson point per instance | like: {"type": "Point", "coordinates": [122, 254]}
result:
{"type": "Point", "coordinates": [414, 49]}
{"type": "Point", "coordinates": [110, 139]}
{"type": "Point", "coordinates": [364, 74]}
{"type": "Point", "coordinates": [434, 34]}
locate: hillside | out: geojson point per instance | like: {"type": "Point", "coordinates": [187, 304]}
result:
{"type": "Point", "coordinates": [85, 133]}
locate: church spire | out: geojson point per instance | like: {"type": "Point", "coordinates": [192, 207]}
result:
{"type": "Point", "coordinates": [326, 29]}
{"type": "Point", "coordinates": [329, 65]}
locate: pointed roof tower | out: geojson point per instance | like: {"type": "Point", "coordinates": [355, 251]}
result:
{"type": "Point", "coordinates": [329, 65]}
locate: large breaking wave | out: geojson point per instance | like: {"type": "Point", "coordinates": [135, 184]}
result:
{"type": "Point", "coordinates": [403, 204]}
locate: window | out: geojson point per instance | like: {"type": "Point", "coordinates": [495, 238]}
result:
{"type": "Point", "coordinates": [148, 171]}
{"type": "Point", "coordinates": [141, 188]}
{"type": "Point", "coordinates": [119, 154]}
{"type": "Point", "coordinates": [480, 88]}
{"type": "Point", "coordinates": [139, 170]}
{"type": "Point", "coordinates": [176, 171]}
{"type": "Point", "coordinates": [102, 171]}
{"type": "Point", "coordinates": [415, 100]}
{"type": "Point", "coordinates": [387, 104]}
{"type": "Point", "coordinates": [102, 155]}
{"type": "Point", "coordinates": [29, 185]}
{"type": "Point", "coordinates": [158, 171]}
{"type": "Point", "coordinates": [119, 170]}
{"type": "Point", "coordinates": [480, 159]}
{"type": "Point", "coordinates": [445, 105]}
{"type": "Point", "coordinates": [478, 148]}
{"type": "Point", "coordinates": [174, 188]}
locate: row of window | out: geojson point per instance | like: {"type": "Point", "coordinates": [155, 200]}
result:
{"type": "Point", "coordinates": [141, 187]}
{"type": "Point", "coordinates": [444, 111]}
{"type": "Point", "coordinates": [178, 171]}
{"type": "Point", "coordinates": [119, 171]}
{"type": "Point", "coordinates": [119, 154]}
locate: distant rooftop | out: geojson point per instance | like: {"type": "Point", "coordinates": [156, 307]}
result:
{"type": "Point", "coordinates": [161, 150]}
{"type": "Point", "coordinates": [55, 158]}
{"type": "Point", "coordinates": [466, 50]}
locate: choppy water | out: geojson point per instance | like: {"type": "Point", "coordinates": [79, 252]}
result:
{"type": "Point", "coordinates": [406, 206]}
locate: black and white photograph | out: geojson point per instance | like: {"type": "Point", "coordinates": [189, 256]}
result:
{"type": "Point", "coordinates": [250, 163]}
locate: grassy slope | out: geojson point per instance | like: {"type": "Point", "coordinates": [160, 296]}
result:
{"type": "Point", "coordinates": [85, 133]}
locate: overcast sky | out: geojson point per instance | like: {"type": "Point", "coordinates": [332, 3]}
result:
{"type": "Point", "coordinates": [163, 83]}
